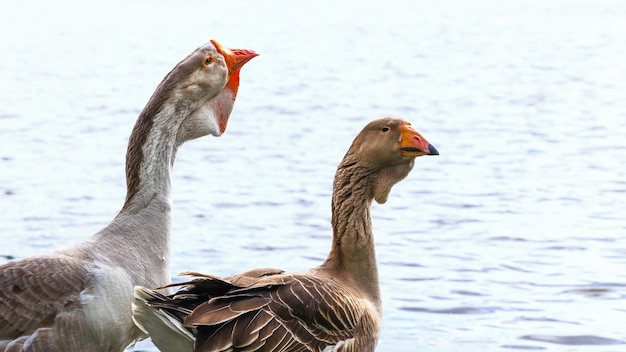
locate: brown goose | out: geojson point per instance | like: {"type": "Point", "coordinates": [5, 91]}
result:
{"type": "Point", "coordinates": [79, 299]}
{"type": "Point", "coordinates": [334, 307]}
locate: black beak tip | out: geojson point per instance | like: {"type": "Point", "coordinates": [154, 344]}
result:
{"type": "Point", "coordinates": [432, 150]}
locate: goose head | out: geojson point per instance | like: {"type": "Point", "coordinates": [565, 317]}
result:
{"type": "Point", "coordinates": [201, 90]}
{"type": "Point", "coordinates": [387, 148]}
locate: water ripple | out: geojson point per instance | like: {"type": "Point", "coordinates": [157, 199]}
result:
{"type": "Point", "coordinates": [577, 340]}
{"type": "Point", "coordinates": [453, 310]}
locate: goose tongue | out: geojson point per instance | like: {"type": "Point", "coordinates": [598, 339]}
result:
{"type": "Point", "coordinates": [413, 144]}
{"type": "Point", "coordinates": [235, 58]}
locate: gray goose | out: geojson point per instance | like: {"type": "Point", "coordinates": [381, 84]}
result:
{"type": "Point", "coordinates": [79, 299]}
{"type": "Point", "coordinates": [333, 307]}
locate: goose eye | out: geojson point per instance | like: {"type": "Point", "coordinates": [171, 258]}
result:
{"type": "Point", "coordinates": [207, 61]}
{"type": "Point", "coordinates": [385, 129]}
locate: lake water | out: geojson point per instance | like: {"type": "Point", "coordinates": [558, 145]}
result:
{"type": "Point", "coordinates": [514, 238]}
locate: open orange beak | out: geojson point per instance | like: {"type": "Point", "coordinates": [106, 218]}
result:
{"type": "Point", "coordinates": [413, 144]}
{"type": "Point", "coordinates": [235, 58]}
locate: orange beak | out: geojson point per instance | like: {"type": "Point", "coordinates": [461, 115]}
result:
{"type": "Point", "coordinates": [235, 58]}
{"type": "Point", "coordinates": [413, 144]}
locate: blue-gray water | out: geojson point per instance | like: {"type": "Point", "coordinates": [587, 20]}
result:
{"type": "Point", "coordinates": [513, 238]}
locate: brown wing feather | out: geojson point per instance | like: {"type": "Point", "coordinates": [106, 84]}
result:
{"type": "Point", "coordinates": [299, 310]}
{"type": "Point", "coordinates": [34, 291]}
{"type": "Point", "coordinates": [314, 309]}
{"type": "Point", "coordinates": [215, 338]}
{"type": "Point", "coordinates": [248, 333]}
{"type": "Point", "coordinates": [277, 312]}
{"type": "Point", "coordinates": [218, 311]}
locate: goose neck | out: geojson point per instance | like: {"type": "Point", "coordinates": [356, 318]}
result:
{"type": "Point", "coordinates": [352, 254]}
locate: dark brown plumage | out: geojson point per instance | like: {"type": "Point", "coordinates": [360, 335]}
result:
{"type": "Point", "coordinates": [334, 307]}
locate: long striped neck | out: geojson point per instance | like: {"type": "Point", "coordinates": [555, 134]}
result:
{"type": "Point", "coordinates": [139, 236]}
{"type": "Point", "coordinates": [150, 157]}
{"type": "Point", "coordinates": [160, 129]}
{"type": "Point", "coordinates": [158, 134]}
{"type": "Point", "coordinates": [352, 254]}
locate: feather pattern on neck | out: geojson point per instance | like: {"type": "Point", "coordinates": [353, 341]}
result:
{"type": "Point", "coordinates": [352, 253]}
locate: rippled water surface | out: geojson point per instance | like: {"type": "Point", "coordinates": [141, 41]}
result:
{"type": "Point", "coordinates": [513, 238]}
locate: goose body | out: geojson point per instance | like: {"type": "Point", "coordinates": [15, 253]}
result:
{"type": "Point", "coordinates": [333, 307]}
{"type": "Point", "coordinates": [79, 299]}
